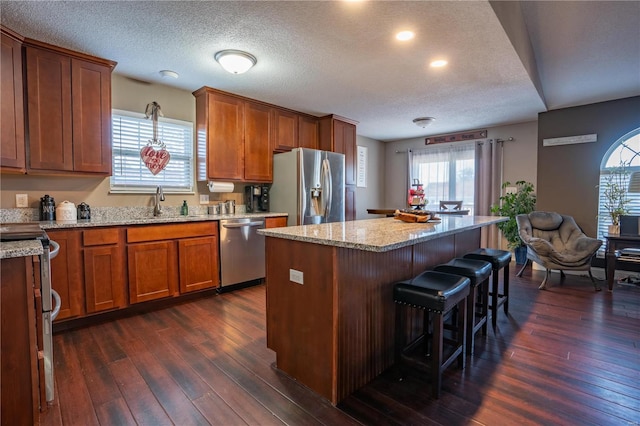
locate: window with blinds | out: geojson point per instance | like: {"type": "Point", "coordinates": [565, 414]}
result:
{"type": "Point", "coordinates": [624, 152]}
{"type": "Point", "coordinates": [447, 173]}
{"type": "Point", "coordinates": [130, 133]}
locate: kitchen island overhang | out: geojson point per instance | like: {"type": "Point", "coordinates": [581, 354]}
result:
{"type": "Point", "coordinates": [330, 310]}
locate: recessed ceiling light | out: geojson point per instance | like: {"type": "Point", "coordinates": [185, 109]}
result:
{"type": "Point", "coordinates": [439, 63]}
{"type": "Point", "coordinates": [405, 35]}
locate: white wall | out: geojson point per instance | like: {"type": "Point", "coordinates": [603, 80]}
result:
{"type": "Point", "coordinates": [520, 159]}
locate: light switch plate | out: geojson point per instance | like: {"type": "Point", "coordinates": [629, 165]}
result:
{"type": "Point", "coordinates": [204, 198]}
{"type": "Point", "coordinates": [296, 276]}
{"type": "Point", "coordinates": [22, 200]}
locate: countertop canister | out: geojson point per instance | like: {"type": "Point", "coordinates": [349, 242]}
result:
{"type": "Point", "coordinates": [66, 212]}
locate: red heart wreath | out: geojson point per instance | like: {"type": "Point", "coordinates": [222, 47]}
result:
{"type": "Point", "coordinates": [155, 161]}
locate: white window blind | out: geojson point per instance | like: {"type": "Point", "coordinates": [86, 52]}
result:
{"type": "Point", "coordinates": [626, 151]}
{"type": "Point", "coordinates": [130, 133]}
{"type": "Point", "coordinates": [447, 173]}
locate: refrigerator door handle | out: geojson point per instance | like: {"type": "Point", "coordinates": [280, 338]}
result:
{"type": "Point", "coordinates": [328, 187]}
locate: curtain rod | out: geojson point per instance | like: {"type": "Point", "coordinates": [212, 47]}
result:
{"type": "Point", "coordinates": [509, 139]}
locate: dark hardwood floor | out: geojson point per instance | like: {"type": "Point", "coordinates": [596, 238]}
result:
{"type": "Point", "coordinates": [565, 356]}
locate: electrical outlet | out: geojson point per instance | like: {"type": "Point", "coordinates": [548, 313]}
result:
{"type": "Point", "coordinates": [22, 200]}
{"type": "Point", "coordinates": [510, 190]}
{"type": "Point", "coordinates": [204, 198]}
{"type": "Point", "coordinates": [296, 276]}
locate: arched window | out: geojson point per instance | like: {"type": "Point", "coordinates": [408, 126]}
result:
{"type": "Point", "coordinates": [623, 154]}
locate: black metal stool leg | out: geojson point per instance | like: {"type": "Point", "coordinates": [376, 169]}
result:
{"type": "Point", "coordinates": [494, 299]}
{"type": "Point", "coordinates": [506, 289]}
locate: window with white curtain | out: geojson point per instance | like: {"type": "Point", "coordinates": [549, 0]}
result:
{"type": "Point", "coordinates": [130, 133]}
{"type": "Point", "coordinates": [624, 152]}
{"type": "Point", "coordinates": [447, 173]}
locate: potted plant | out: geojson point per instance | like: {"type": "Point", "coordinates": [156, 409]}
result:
{"type": "Point", "coordinates": [615, 196]}
{"type": "Point", "coordinates": [522, 201]}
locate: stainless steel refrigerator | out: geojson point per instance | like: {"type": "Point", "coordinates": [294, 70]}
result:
{"type": "Point", "coordinates": [308, 184]}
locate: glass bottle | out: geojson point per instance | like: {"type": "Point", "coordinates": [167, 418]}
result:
{"type": "Point", "coordinates": [184, 210]}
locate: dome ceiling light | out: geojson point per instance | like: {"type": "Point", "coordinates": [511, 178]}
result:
{"type": "Point", "coordinates": [423, 121]}
{"type": "Point", "coordinates": [235, 61]}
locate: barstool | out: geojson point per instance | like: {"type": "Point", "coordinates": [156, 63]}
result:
{"type": "Point", "coordinates": [499, 259]}
{"type": "Point", "coordinates": [437, 293]}
{"type": "Point", "coordinates": [478, 272]}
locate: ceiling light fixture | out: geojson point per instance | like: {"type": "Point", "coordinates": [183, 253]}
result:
{"type": "Point", "coordinates": [423, 121]}
{"type": "Point", "coordinates": [405, 35]}
{"type": "Point", "coordinates": [168, 74]}
{"type": "Point", "coordinates": [235, 61]}
{"type": "Point", "coordinates": [439, 63]}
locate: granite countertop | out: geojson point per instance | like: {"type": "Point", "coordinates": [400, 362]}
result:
{"type": "Point", "coordinates": [20, 249]}
{"type": "Point", "coordinates": [118, 221]}
{"type": "Point", "coordinates": [9, 249]}
{"type": "Point", "coordinates": [379, 235]}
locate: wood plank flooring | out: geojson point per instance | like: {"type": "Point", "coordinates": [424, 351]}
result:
{"type": "Point", "coordinates": [564, 356]}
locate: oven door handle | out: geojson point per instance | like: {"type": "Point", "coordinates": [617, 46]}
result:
{"type": "Point", "coordinates": [54, 249]}
{"type": "Point", "coordinates": [58, 301]}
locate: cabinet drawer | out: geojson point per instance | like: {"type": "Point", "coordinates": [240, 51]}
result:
{"type": "Point", "coordinates": [100, 237]}
{"type": "Point", "coordinates": [171, 231]}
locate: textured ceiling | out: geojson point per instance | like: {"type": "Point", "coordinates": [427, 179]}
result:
{"type": "Point", "coordinates": [342, 58]}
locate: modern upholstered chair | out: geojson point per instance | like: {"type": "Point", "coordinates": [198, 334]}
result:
{"type": "Point", "coordinates": [555, 241]}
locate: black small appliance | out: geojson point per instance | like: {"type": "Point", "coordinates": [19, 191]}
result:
{"type": "Point", "coordinates": [256, 198]}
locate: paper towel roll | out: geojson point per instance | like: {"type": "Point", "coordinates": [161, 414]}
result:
{"type": "Point", "coordinates": [220, 186]}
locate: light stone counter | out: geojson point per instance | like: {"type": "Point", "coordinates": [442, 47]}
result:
{"type": "Point", "coordinates": [20, 249]}
{"type": "Point", "coordinates": [380, 235]}
{"type": "Point", "coordinates": [118, 221]}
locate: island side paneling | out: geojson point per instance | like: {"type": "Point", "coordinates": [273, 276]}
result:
{"type": "Point", "coordinates": [335, 332]}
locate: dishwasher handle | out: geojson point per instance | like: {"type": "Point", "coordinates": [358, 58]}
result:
{"type": "Point", "coordinates": [242, 225]}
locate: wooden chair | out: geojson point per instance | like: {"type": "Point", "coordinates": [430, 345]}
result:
{"type": "Point", "coordinates": [450, 205]}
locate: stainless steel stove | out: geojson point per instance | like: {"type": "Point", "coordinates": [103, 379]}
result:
{"type": "Point", "coordinates": [32, 231]}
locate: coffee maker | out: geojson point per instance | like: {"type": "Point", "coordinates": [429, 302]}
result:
{"type": "Point", "coordinates": [256, 198]}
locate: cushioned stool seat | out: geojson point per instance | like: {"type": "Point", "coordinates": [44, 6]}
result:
{"type": "Point", "coordinates": [478, 272]}
{"type": "Point", "coordinates": [499, 259]}
{"type": "Point", "coordinates": [436, 293]}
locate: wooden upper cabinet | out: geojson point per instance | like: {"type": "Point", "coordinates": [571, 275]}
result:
{"type": "Point", "coordinates": [285, 130]}
{"type": "Point", "coordinates": [68, 110]}
{"type": "Point", "coordinates": [258, 155]}
{"type": "Point", "coordinates": [12, 141]}
{"type": "Point", "coordinates": [345, 142]}
{"type": "Point", "coordinates": [220, 135]}
{"type": "Point", "coordinates": [49, 110]}
{"type": "Point", "coordinates": [338, 134]}
{"type": "Point", "coordinates": [91, 90]}
{"type": "Point", "coordinates": [308, 132]}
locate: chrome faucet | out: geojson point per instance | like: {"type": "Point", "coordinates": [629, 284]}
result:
{"type": "Point", "coordinates": [157, 209]}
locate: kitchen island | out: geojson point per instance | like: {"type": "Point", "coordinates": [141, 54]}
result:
{"type": "Point", "coordinates": [330, 310]}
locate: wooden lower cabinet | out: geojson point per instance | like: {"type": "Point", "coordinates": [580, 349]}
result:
{"type": "Point", "coordinates": [104, 269]}
{"type": "Point", "coordinates": [198, 264]}
{"type": "Point", "coordinates": [19, 395]}
{"type": "Point", "coordinates": [67, 272]}
{"type": "Point", "coordinates": [166, 260]}
{"type": "Point", "coordinates": [275, 222]}
{"type": "Point", "coordinates": [104, 278]}
{"type": "Point", "coordinates": [153, 272]}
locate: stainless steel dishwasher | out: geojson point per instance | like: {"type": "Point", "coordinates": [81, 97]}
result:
{"type": "Point", "coordinates": [241, 250]}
